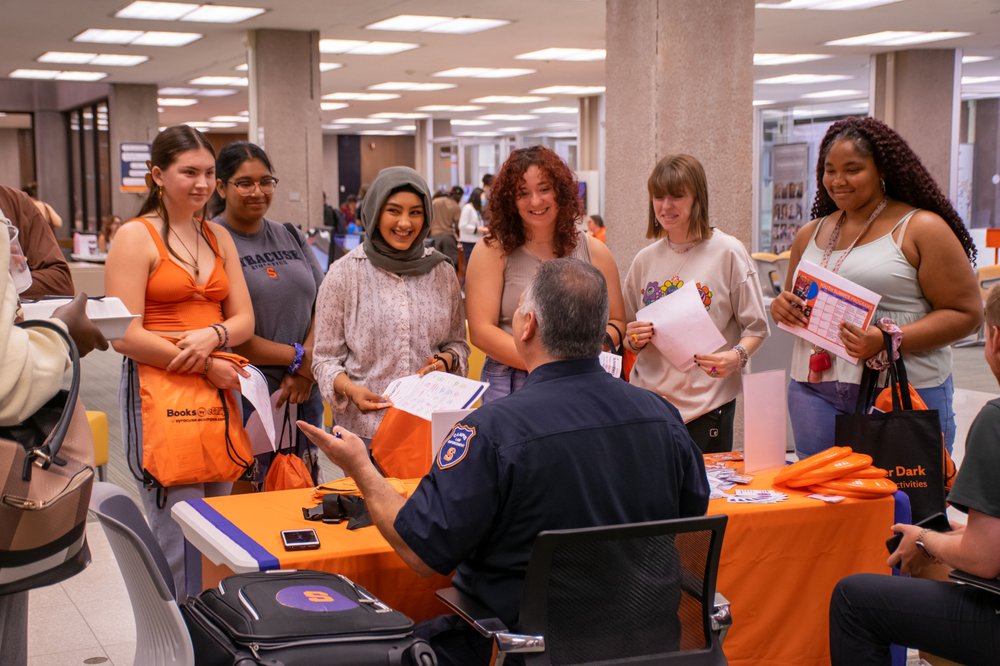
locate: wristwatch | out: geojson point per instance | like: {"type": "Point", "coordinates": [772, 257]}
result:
{"type": "Point", "coordinates": [922, 547]}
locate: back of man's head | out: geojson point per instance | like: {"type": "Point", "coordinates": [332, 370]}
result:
{"type": "Point", "coordinates": [993, 307]}
{"type": "Point", "coordinates": [569, 298]}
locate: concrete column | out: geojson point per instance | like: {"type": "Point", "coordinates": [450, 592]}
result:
{"type": "Point", "coordinates": [52, 170]}
{"type": "Point", "coordinates": [285, 119]}
{"type": "Point", "coordinates": [132, 118]}
{"type": "Point", "coordinates": [423, 150]}
{"type": "Point", "coordinates": [664, 95]}
{"type": "Point", "coordinates": [914, 90]}
{"type": "Point", "coordinates": [590, 133]}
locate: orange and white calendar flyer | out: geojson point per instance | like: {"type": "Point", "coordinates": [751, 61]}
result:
{"type": "Point", "coordinates": [830, 299]}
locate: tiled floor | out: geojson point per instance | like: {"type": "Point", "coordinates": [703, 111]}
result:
{"type": "Point", "coordinates": [88, 619]}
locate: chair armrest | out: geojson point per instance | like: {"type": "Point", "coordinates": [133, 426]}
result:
{"type": "Point", "coordinates": [482, 620]}
{"type": "Point", "coordinates": [474, 613]}
{"type": "Point", "coordinates": [721, 617]}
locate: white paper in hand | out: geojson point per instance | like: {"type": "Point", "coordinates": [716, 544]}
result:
{"type": "Point", "coordinates": [260, 440]}
{"type": "Point", "coordinates": [612, 363]}
{"type": "Point", "coordinates": [433, 392]}
{"type": "Point", "coordinates": [682, 327]}
{"type": "Point", "coordinates": [254, 389]}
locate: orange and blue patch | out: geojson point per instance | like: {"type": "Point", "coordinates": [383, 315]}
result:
{"type": "Point", "coordinates": [456, 446]}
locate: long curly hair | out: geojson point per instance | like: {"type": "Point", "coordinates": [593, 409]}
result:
{"type": "Point", "coordinates": [506, 227]}
{"type": "Point", "coordinates": [906, 178]}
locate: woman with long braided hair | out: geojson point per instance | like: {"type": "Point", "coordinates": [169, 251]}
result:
{"type": "Point", "coordinates": [881, 221]}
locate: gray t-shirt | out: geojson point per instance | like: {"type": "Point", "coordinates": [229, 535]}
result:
{"type": "Point", "coordinates": [283, 278]}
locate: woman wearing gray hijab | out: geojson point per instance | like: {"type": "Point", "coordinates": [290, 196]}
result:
{"type": "Point", "coordinates": [389, 308]}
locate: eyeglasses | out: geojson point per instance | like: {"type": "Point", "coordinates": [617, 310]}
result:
{"type": "Point", "coordinates": [246, 187]}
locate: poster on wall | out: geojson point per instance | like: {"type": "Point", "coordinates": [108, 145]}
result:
{"type": "Point", "coordinates": [790, 211]}
{"type": "Point", "coordinates": [133, 166]}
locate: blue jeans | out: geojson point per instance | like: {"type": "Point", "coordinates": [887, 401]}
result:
{"type": "Point", "coordinates": [503, 379]}
{"type": "Point", "coordinates": [814, 407]}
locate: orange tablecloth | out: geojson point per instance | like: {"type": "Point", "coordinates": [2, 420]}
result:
{"type": "Point", "coordinates": [779, 563]}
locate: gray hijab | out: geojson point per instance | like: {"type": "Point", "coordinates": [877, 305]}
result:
{"type": "Point", "coordinates": [415, 260]}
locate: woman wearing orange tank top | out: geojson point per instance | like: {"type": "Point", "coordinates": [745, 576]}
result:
{"type": "Point", "coordinates": [181, 274]}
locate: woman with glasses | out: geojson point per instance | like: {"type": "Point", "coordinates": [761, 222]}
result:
{"type": "Point", "coordinates": [283, 277]}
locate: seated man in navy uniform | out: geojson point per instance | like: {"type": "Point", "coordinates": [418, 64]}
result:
{"type": "Point", "coordinates": [868, 612]}
{"type": "Point", "coordinates": [575, 447]}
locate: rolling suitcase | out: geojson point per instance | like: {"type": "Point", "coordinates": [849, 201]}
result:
{"type": "Point", "coordinates": [292, 618]}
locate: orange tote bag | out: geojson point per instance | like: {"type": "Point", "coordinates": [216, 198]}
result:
{"type": "Point", "coordinates": [401, 446]}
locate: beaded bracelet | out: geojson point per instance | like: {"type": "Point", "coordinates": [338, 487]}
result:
{"type": "Point", "coordinates": [296, 363]}
{"type": "Point", "coordinates": [208, 364]}
{"type": "Point", "coordinates": [218, 334]}
{"type": "Point", "coordinates": [743, 354]}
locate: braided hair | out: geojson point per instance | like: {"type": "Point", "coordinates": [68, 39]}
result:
{"type": "Point", "coordinates": [906, 179]}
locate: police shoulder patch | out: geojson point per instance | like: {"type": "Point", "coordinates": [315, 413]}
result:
{"type": "Point", "coordinates": [456, 446]}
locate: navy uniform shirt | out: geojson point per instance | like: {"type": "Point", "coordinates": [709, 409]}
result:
{"type": "Point", "coordinates": [574, 448]}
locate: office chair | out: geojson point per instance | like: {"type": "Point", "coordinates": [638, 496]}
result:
{"type": "Point", "coordinates": [768, 273]}
{"type": "Point", "coordinates": [160, 633]}
{"type": "Point", "coordinates": [642, 593]}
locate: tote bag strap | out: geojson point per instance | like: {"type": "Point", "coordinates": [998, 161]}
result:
{"type": "Point", "coordinates": [45, 454]}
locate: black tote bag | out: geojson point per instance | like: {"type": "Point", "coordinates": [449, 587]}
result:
{"type": "Point", "coordinates": [905, 442]}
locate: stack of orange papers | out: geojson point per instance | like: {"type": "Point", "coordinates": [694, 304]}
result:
{"type": "Point", "coordinates": [838, 471]}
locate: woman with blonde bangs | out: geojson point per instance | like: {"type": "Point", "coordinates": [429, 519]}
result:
{"type": "Point", "coordinates": [689, 249]}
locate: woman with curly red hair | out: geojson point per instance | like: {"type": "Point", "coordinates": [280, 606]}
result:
{"type": "Point", "coordinates": [533, 208]}
{"type": "Point", "coordinates": [880, 220]}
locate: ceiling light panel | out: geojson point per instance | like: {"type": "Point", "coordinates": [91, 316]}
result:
{"type": "Point", "coordinates": [52, 74]}
{"type": "Point", "coordinates": [82, 58]}
{"type": "Point", "coordinates": [81, 76]}
{"type": "Point", "coordinates": [478, 134]}
{"type": "Point", "coordinates": [220, 81]}
{"type": "Point", "coordinates": [358, 47]}
{"type": "Point", "coordinates": [461, 122]}
{"type": "Point", "coordinates": [335, 127]}
{"type": "Point", "coordinates": [361, 97]}
{"type": "Point", "coordinates": [973, 80]}
{"type": "Point", "coordinates": [826, 94]}
{"type": "Point", "coordinates": [118, 60]}
{"type": "Point", "coordinates": [386, 132]}
{"type": "Point", "coordinates": [770, 59]}
{"type": "Point", "coordinates": [442, 24]}
{"type": "Point", "coordinates": [825, 5]}
{"type": "Point", "coordinates": [970, 59]}
{"type": "Point", "coordinates": [509, 99]}
{"type": "Point", "coordinates": [569, 90]}
{"type": "Point", "coordinates": [417, 87]}
{"type": "Point", "coordinates": [897, 38]}
{"type": "Point", "coordinates": [176, 101]}
{"type": "Point", "coordinates": [229, 119]}
{"type": "Point", "coordinates": [556, 110]}
{"type": "Point", "coordinates": [400, 116]}
{"type": "Point", "coordinates": [407, 128]}
{"type": "Point", "coordinates": [571, 55]}
{"type": "Point", "coordinates": [66, 58]}
{"type": "Point", "coordinates": [332, 106]}
{"type": "Point", "coordinates": [362, 121]}
{"type": "Point", "coordinates": [34, 74]}
{"type": "Point", "coordinates": [508, 116]}
{"type": "Point", "coordinates": [484, 72]}
{"type": "Point", "coordinates": [183, 11]}
{"type": "Point", "coordinates": [329, 66]}
{"type": "Point", "coordinates": [802, 79]}
{"type": "Point", "coordinates": [216, 92]}
{"type": "Point", "coordinates": [513, 129]}
{"type": "Point", "coordinates": [178, 91]}
{"type": "Point", "coordinates": [450, 107]}
{"type": "Point", "coordinates": [137, 37]}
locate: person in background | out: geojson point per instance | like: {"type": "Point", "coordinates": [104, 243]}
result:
{"type": "Point", "coordinates": [595, 227]}
{"type": "Point", "coordinates": [50, 274]}
{"type": "Point", "coordinates": [470, 225]}
{"type": "Point", "coordinates": [574, 448]}
{"type": "Point", "coordinates": [389, 308]}
{"type": "Point", "coordinates": [348, 213]}
{"type": "Point", "coordinates": [534, 207]}
{"type": "Point", "coordinates": [32, 364]}
{"type": "Point", "coordinates": [48, 212]}
{"type": "Point", "coordinates": [332, 218]}
{"type": "Point", "coordinates": [689, 250]}
{"type": "Point", "coordinates": [881, 221]}
{"type": "Point", "coordinates": [108, 231]}
{"type": "Point", "coordinates": [869, 612]}
{"type": "Point", "coordinates": [487, 188]}
{"type": "Point", "coordinates": [283, 278]}
{"type": "Point", "coordinates": [444, 228]}
{"type": "Point", "coordinates": [181, 274]}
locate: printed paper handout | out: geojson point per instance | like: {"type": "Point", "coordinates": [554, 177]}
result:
{"type": "Point", "coordinates": [612, 363]}
{"type": "Point", "coordinates": [830, 299]}
{"type": "Point", "coordinates": [261, 441]}
{"type": "Point", "coordinates": [682, 327]}
{"type": "Point", "coordinates": [434, 392]}
{"type": "Point", "coordinates": [254, 389]}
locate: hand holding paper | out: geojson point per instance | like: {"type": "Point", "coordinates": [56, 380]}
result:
{"type": "Point", "coordinates": [682, 327]}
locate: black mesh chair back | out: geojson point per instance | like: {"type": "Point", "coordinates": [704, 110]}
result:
{"type": "Point", "coordinates": [644, 591]}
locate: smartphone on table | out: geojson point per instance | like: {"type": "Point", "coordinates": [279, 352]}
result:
{"type": "Point", "coordinates": [300, 539]}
